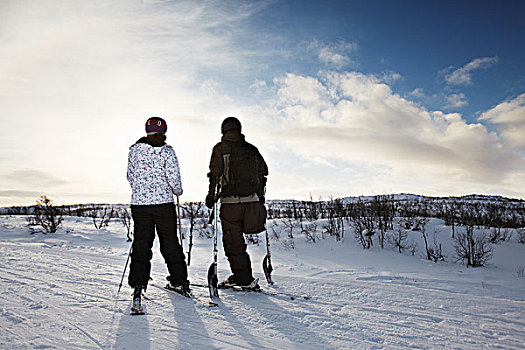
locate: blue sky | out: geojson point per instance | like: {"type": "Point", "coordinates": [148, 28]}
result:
{"type": "Point", "coordinates": [420, 40]}
{"type": "Point", "coordinates": [341, 97]}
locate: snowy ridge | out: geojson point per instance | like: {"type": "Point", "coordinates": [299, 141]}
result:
{"type": "Point", "coordinates": [416, 197]}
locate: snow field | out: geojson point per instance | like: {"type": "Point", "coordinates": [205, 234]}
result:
{"type": "Point", "coordinates": [58, 291]}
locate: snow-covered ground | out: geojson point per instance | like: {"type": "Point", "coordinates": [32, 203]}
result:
{"type": "Point", "coordinates": [59, 291]}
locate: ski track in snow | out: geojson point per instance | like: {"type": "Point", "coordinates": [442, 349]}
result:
{"type": "Point", "coordinates": [59, 292]}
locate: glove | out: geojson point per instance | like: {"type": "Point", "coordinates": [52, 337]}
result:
{"type": "Point", "coordinates": [262, 190]}
{"type": "Point", "coordinates": [210, 200]}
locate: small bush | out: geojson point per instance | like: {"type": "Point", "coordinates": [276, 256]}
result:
{"type": "Point", "coordinates": [101, 216]}
{"type": "Point", "coordinates": [498, 235]}
{"type": "Point", "coordinates": [472, 249]}
{"type": "Point", "coordinates": [310, 231]}
{"type": "Point", "coordinates": [252, 239]}
{"type": "Point", "coordinates": [46, 215]}
{"type": "Point", "coordinates": [204, 229]}
{"type": "Point", "coordinates": [125, 218]}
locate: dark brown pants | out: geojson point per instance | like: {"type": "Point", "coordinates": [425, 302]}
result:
{"type": "Point", "coordinates": [232, 220]}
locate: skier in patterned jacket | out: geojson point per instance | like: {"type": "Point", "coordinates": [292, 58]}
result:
{"type": "Point", "coordinates": [154, 176]}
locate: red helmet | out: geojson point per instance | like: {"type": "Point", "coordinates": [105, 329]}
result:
{"type": "Point", "coordinates": [156, 125]}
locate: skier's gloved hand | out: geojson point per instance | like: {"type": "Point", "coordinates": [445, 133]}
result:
{"type": "Point", "coordinates": [210, 200]}
{"type": "Point", "coordinates": [262, 190]}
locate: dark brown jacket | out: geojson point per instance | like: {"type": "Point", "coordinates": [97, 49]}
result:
{"type": "Point", "coordinates": [219, 158]}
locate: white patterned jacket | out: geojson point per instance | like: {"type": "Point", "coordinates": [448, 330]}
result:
{"type": "Point", "coordinates": [153, 173]}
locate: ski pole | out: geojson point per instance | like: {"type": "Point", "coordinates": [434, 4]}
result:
{"type": "Point", "coordinates": [125, 268]}
{"type": "Point", "coordinates": [190, 238]}
{"type": "Point", "coordinates": [267, 261]}
{"type": "Point", "coordinates": [212, 271]}
{"type": "Point", "coordinates": [180, 223]}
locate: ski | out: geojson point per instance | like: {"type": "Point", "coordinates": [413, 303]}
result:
{"type": "Point", "coordinates": [260, 291]}
{"type": "Point", "coordinates": [208, 303]}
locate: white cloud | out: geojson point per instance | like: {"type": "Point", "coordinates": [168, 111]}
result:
{"type": "Point", "coordinates": [259, 87]}
{"type": "Point", "coordinates": [390, 77]}
{"type": "Point", "coordinates": [463, 75]}
{"type": "Point", "coordinates": [356, 119]}
{"type": "Point", "coordinates": [327, 56]}
{"type": "Point", "coordinates": [417, 93]}
{"type": "Point", "coordinates": [33, 177]}
{"type": "Point", "coordinates": [448, 102]}
{"type": "Point", "coordinates": [509, 119]}
{"type": "Point", "coordinates": [335, 55]}
{"type": "Point", "coordinates": [456, 101]}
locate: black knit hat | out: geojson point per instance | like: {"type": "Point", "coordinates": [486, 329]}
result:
{"type": "Point", "coordinates": [230, 123]}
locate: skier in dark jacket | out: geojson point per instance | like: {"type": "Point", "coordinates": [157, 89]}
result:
{"type": "Point", "coordinates": [154, 175]}
{"type": "Point", "coordinates": [233, 207]}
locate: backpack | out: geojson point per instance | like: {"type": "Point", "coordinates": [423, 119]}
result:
{"type": "Point", "coordinates": [242, 171]}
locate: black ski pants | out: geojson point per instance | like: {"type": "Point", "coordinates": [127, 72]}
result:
{"type": "Point", "coordinates": [232, 221]}
{"type": "Point", "coordinates": [146, 219]}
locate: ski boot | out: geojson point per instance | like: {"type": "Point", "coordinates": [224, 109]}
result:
{"type": "Point", "coordinates": [136, 306]}
{"type": "Point", "coordinates": [181, 288]}
{"type": "Point", "coordinates": [227, 283]}
{"type": "Point", "coordinates": [230, 283]}
{"type": "Point", "coordinates": [253, 286]}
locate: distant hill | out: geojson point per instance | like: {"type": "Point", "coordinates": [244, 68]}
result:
{"type": "Point", "coordinates": [401, 197]}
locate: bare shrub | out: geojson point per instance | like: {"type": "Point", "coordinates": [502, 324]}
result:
{"type": "Point", "coordinates": [193, 211]}
{"type": "Point", "coordinates": [31, 221]}
{"type": "Point", "coordinates": [421, 226]}
{"type": "Point", "coordinates": [310, 231]}
{"type": "Point", "coordinates": [450, 212]}
{"type": "Point", "coordinates": [435, 250]}
{"type": "Point", "coordinates": [46, 215]}
{"type": "Point", "coordinates": [204, 229]}
{"type": "Point", "coordinates": [497, 235]}
{"type": "Point", "coordinates": [290, 224]}
{"type": "Point", "coordinates": [276, 231]}
{"type": "Point", "coordinates": [252, 239]}
{"type": "Point", "coordinates": [101, 216]}
{"type": "Point", "coordinates": [333, 226]}
{"type": "Point", "coordinates": [406, 223]}
{"type": "Point", "coordinates": [474, 250]}
{"type": "Point", "coordinates": [364, 230]}
{"type": "Point", "coordinates": [398, 239]}
{"type": "Point", "coordinates": [308, 225]}
{"type": "Point", "coordinates": [312, 210]}
{"type": "Point", "coordinates": [125, 218]}
{"type": "Point", "coordinates": [383, 209]}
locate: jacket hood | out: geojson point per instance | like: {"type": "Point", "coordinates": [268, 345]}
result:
{"type": "Point", "coordinates": [152, 141]}
{"type": "Point", "coordinates": [233, 136]}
